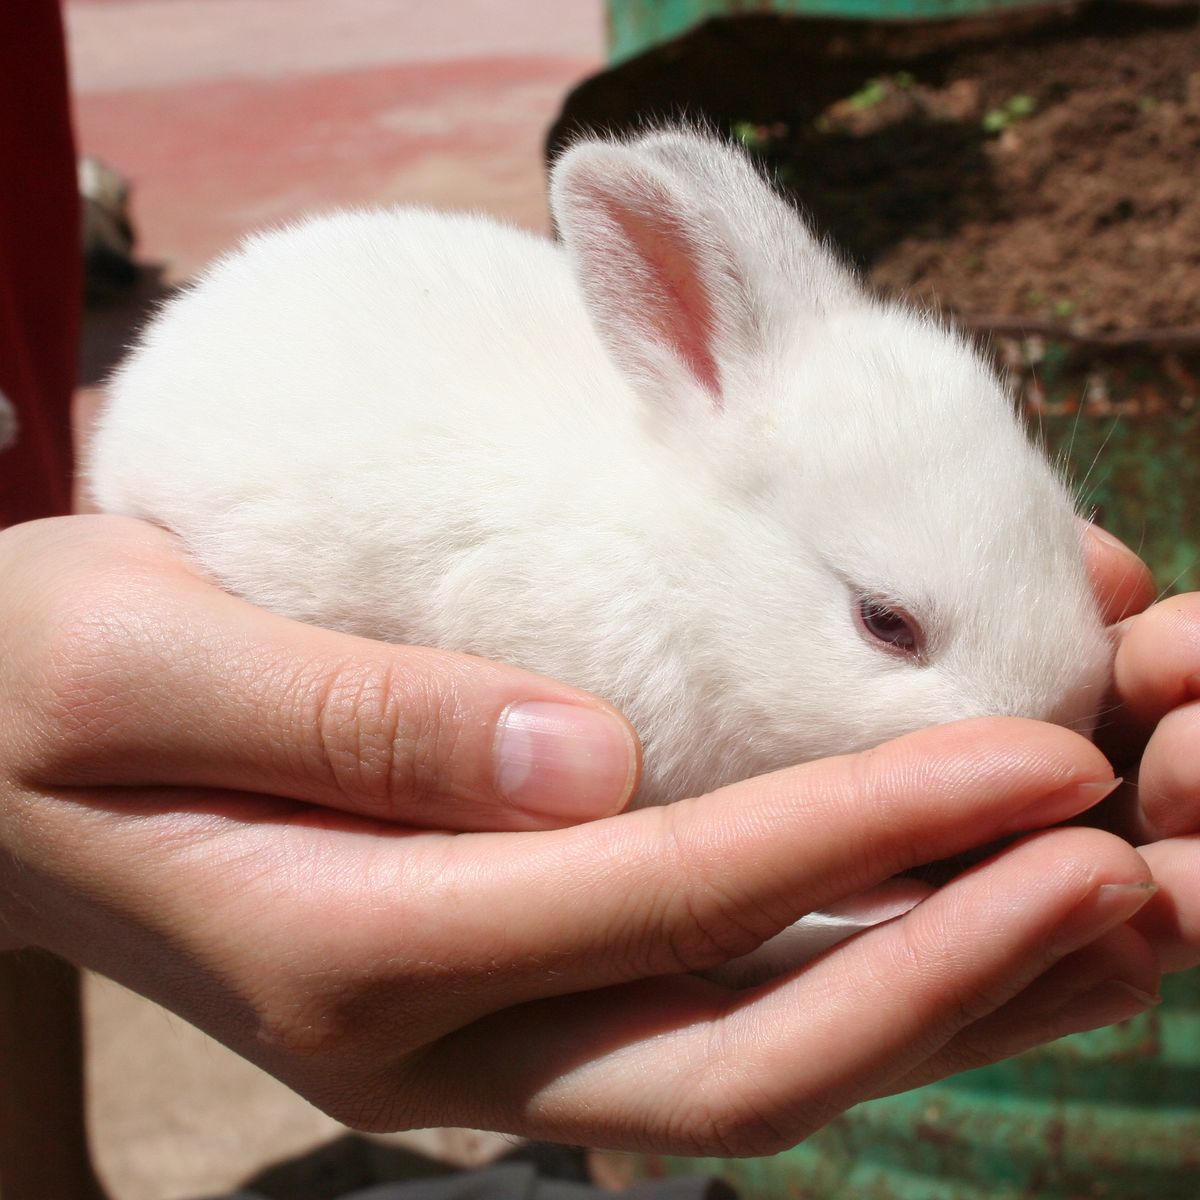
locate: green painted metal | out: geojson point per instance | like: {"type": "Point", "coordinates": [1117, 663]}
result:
{"type": "Point", "coordinates": [1109, 1115]}
{"type": "Point", "coordinates": [1144, 484]}
{"type": "Point", "coordinates": [636, 25]}
{"type": "Point", "coordinates": [1128, 430]}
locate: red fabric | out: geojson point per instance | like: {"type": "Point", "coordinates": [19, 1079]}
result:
{"type": "Point", "coordinates": [40, 259]}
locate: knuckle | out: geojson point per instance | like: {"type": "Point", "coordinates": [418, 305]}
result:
{"type": "Point", "coordinates": [330, 1018]}
{"type": "Point", "coordinates": [360, 1096]}
{"type": "Point", "coordinates": [885, 845]}
{"type": "Point", "coordinates": [380, 735]}
{"type": "Point", "coordinates": [706, 922]}
{"type": "Point", "coordinates": [341, 1038]}
{"type": "Point", "coordinates": [301, 1031]}
{"type": "Point", "coordinates": [745, 1134]}
{"type": "Point", "coordinates": [733, 1124]}
{"type": "Point", "coordinates": [968, 1052]}
{"type": "Point", "coordinates": [297, 1014]}
{"type": "Point", "coordinates": [732, 1110]}
{"type": "Point", "coordinates": [971, 1003]}
{"type": "Point", "coordinates": [926, 953]}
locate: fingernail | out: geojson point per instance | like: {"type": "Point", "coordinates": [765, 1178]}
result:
{"type": "Point", "coordinates": [1107, 1004]}
{"type": "Point", "coordinates": [1110, 905]}
{"type": "Point", "coordinates": [1104, 536]}
{"type": "Point", "coordinates": [564, 761]}
{"type": "Point", "coordinates": [1061, 805]}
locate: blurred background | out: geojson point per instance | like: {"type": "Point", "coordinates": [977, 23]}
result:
{"type": "Point", "coordinates": [1031, 167]}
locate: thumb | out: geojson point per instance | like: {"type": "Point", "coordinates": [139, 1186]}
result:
{"type": "Point", "coordinates": [141, 672]}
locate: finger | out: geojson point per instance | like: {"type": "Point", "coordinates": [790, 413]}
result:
{"type": "Point", "coordinates": [1111, 980]}
{"type": "Point", "coordinates": [1120, 813]}
{"type": "Point", "coordinates": [695, 884]}
{"type": "Point", "coordinates": [1157, 664]}
{"type": "Point", "coordinates": [517, 916]}
{"type": "Point", "coordinates": [753, 1074]}
{"type": "Point", "coordinates": [1171, 921]}
{"type": "Point", "coordinates": [147, 674]}
{"type": "Point", "coordinates": [1122, 582]}
{"type": "Point", "coordinates": [1168, 780]}
{"type": "Point", "coordinates": [1156, 668]}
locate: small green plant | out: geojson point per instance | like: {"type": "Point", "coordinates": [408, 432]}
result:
{"type": "Point", "coordinates": [1013, 111]}
{"type": "Point", "coordinates": [873, 92]}
{"type": "Point", "coordinates": [1064, 308]}
{"type": "Point", "coordinates": [753, 137]}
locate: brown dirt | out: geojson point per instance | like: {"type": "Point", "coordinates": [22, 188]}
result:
{"type": "Point", "coordinates": [1084, 213]}
{"type": "Point", "coordinates": [1083, 210]}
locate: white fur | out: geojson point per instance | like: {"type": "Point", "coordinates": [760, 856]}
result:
{"type": "Point", "coordinates": [659, 463]}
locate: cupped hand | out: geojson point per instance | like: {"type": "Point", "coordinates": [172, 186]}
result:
{"type": "Point", "coordinates": [1151, 731]}
{"type": "Point", "coordinates": [244, 818]}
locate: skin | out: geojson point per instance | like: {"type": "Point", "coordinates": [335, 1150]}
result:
{"type": "Point", "coordinates": [1151, 734]}
{"type": "Point", "coordinates": [248, 820]}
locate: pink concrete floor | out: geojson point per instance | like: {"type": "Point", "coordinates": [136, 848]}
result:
{"type": "Point", "coordinates": [229, 115]}
{"type": "Point", "coordinates": [232, 114]}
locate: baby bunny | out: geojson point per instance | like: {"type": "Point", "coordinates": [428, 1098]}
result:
{"type": "Point", "coordinates": [683, 461]}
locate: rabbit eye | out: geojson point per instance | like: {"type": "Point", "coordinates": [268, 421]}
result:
{"type": "Point", "coordinates": [889, 627]}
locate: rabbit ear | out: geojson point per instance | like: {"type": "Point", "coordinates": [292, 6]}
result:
{"type": "Point", "coordinates": [690, 263]}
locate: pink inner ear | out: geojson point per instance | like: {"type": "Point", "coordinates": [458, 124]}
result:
{"type": "Point", "coordinates": [677, 304]}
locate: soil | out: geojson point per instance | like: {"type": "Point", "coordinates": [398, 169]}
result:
{"type": "Point", "coordinates": [1045, 177]}
{"type": "Point", "coordinates": [1060, 183]}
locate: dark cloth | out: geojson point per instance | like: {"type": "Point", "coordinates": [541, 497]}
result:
{"type": "Point", "coordinates": [352, 1167]}
{"type": "Point", "coordinates": [521, 1181]}
{"type": "Point", "coordinates": [40, 259]}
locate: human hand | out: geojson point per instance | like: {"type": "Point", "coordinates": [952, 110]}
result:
{"type": "Point", "coordinates": [1151, 732]}
{"type": "Point", "coordinates": [219, 808]}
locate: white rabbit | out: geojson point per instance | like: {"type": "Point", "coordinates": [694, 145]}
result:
{"type": "Point", "coordinates": [683, 461]}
